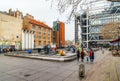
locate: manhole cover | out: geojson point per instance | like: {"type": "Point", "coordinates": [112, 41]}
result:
{"type": "Point", "coordinates": [27, 75]}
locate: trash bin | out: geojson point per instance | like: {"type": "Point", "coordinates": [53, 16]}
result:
{"type": "Point", "coordinates": [81, 70]}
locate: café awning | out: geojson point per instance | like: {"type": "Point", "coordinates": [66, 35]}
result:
{"type": "Point", "coordinates": [116, 40]}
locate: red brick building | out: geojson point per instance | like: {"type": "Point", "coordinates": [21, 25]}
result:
{"type": "Point", "coordinates": [43, 33]}
{"type": "Point", "coordinates": [59, 33]}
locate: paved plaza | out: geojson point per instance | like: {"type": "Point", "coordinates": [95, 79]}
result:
{"type": "Point", "coordinates": [23, 69]}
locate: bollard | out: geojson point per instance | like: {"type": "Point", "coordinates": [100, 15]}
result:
{"type": "Point", "coordinates": [81, 70]}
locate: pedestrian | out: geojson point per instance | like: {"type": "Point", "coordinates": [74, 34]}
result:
{"type": "Point", "coordinates": [10, 50]}
{"type": "Point", "coordinates": [78, 54]}
{"type": "Point", "coordinates": [48, 48]}
{"type": "Point", "coordinates": [101, 48]}
{"type": "Point", "coordinates": [0, 50]}
{"type": "Point", "coordinates": [55, 48]}
{"type": "Point", "coordinates": [82, 55]}
{"type": "Point", "coordinates": [91, 55]}
{"type": "Point", "coordinates": [87, 56]}
{"type": "Point", "coordinates": [102, 51]}
{"type": "Point", "coordinates": [39, 49]}
{"type": "Point", "coordinates": [73, 49]}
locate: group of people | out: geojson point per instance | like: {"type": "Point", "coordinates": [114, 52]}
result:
{"type": "Point", "coordinates": [5, 50]}
{"type": "Point", "coordinates": [85, 53]}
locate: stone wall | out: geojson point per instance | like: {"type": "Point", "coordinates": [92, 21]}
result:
{"type": "Point", "coordinates": [10, 29]}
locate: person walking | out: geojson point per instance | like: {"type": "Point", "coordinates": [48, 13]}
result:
{"type": "Point", "coordinates": [82, 55]}
{"type": "Point", "coordinates": [91, 55]}
{"type": "Point", "coordinates": [102, 51]}
{"type": "Point", "coordinates": [73, 49]}
{"type": "Point", "coordinates": [87, 56]}
{"type": "Point", "coordinates": [78, 54]}
{"type": "Point", "coordinates": [55, 48]}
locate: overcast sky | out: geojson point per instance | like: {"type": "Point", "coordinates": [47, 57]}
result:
{"type": "Point", "coordinates": [41, 10]}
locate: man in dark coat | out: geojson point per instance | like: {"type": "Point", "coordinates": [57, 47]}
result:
{"type": "Point", "coordinates": [78, 55]}
{"type": "Point", "coordinates": [82, 55]}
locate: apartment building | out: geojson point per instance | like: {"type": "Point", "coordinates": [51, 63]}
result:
{"type": "Point", "coordinates": [43, 33]}
{"type": "Point", "coordinates": [59, 33]}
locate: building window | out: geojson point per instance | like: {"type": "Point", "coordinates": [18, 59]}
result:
{"type": "Point", "coordinates": [48, 30]}
{"type": "Point", "coordinates": [48, 38]}
{"type": "Point", "coordinates": [48, 34]}
{"type": "Point", "coordinates": [44, 42]}
{"type": "Point", "coordinates": [44, 29]}
{"type": "Point", "coordinates": [39, 42]}
{"type": "Point", "coordinates": [39, 32]}
{"type": "Point", "coordinates": [84, 30]}
{"type": "Point", "coordinates": [49, 42]}
{"type": "Point", "coordinates": [39, 28]}
{"type": "Point", "coordinates": [39, 36]}
{"type": "Point", "coordinates": [33, 26]}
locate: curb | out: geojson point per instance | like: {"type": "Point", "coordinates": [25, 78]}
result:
{"type": "Point", "coordinates": [60, 59]}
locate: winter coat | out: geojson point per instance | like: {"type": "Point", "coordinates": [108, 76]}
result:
{"type": "Point", "coordinates": [78, 53]}
{"type": "Point", "coordinates": [92, 54]}
{"type": "Point", "coordinates": [82, 54]}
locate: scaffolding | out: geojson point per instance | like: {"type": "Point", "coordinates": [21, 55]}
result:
{"type": "Point", "coordinates": [96, 13]}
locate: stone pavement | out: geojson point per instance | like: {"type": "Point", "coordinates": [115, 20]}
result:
{"type": "Point", "coordinates": [108, 69]}
{"type": "Point", "coordinates": [21, 69]}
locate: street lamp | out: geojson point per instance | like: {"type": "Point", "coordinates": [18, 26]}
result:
{"type": "Point", "coordinates": [118, 29]}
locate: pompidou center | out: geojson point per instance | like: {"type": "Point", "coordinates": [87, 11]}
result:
{"type": "Point", "coordinates": [94, 17]}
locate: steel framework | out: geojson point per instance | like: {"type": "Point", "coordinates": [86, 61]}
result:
{"type": "Point", "coordinates": [96, 14]}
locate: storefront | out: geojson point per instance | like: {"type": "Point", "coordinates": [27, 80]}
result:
{"type": "Point", "coordinates": [115, 47]}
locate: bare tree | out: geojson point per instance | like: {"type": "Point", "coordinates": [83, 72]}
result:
{"type": "Point", "coordinates": [111, 30]}
{"type": "Point", "coordinates": [72, 6]}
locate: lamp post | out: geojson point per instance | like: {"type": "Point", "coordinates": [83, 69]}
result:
{"type": "Point", "coordinates": [118, 29]}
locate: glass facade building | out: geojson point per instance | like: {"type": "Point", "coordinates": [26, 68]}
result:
{"type": "Point", "coordinates": [59, 34]}
{"type": "Point", "coordinates": [92, 24]}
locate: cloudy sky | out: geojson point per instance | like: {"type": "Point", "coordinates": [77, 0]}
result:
{"type": "Point", "coordinates": [41, 10]}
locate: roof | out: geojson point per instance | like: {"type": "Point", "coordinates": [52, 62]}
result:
{"type": "Point", "coordinates": [39, 23]}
